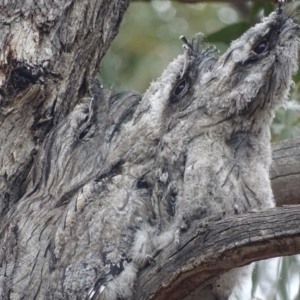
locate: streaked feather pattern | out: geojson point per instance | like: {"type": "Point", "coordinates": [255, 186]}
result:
{"type": "Point", "coordinates": [115, 181]}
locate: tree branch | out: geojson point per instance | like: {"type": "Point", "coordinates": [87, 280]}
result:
{"type": "Point", "coordinates": [285, 172]}
{"type": "Point", "coordinates": [38, 90]}
{"type": "Point", "coordinates": [197, 1]}
{"type": "Point", "coordinates": [49, 54]}
{"type": "Point", "coordinates": [211, 247]}
{"type": "Point", "coordinates": [215, 245]}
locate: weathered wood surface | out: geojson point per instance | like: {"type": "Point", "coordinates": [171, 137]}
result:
{"type": "Point", "coordinates": [210, 248]}
{"type": "Point", "coordinates": [48, 55]}
{"type": "Point", "coordinates": [198, 1]}
{"type": "Point", "coordinates": [49, 52]}
{"type": "Point", "coordinates": [285, 172]}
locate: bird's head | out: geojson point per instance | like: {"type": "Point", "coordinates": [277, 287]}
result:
{"type": "Point", "coordinates": [255, 72]}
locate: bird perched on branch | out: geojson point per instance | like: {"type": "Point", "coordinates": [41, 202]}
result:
{"type": "Point", "coordinates": [122, 177]}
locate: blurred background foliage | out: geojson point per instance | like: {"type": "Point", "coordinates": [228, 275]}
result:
{"type": "Point", "coordinates": [149, 39]}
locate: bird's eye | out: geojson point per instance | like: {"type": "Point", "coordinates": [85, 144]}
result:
{"type": "Point", "coordinates": [85, 132]}
{"type": "Point", "coordinates": [260, 48]}
{"type": "Point", "coordinates": [179, 88]}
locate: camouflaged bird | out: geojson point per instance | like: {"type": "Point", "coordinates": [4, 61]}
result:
{"type": "Point", "coordinates": [119, 178]}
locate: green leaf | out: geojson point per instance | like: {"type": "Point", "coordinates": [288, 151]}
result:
{"type": "Point", "coordinates": [258, 7]}
{"type": "Point", "coordinates": [296, 77]}
{"type": "Point", "coordinates": [268, 8]}
{"type": "Point", "coordinates": [229, 33]}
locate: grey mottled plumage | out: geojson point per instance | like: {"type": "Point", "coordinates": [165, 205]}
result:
{"type": "Point", "coordinates": [113, 184]}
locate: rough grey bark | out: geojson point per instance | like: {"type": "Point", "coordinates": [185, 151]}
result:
{"type": "Point", "coordinates": [197, 1]}
{"type": "Point", "coordinates": [285, 172]}
{"type": "Point", "coordinates": [44, 73]}
{"type": "Point", "coordinates": [49, 52]}
{"type": "Point", "coordinates": [206, 253]}
{"type": "Point", "coordinates": [214, 246]}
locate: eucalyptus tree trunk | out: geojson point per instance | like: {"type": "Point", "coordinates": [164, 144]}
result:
{"type": "Point", "coordinates": [49, 52]}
